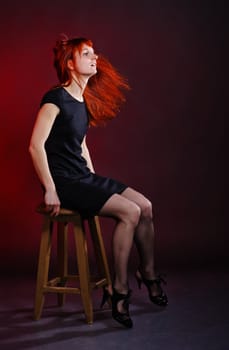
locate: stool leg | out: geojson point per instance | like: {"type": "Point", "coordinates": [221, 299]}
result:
{"type": "Point", "coordinates": [43, 266]}
{"type": "Point", "coordinates": [62, 258]}
{"type": "Point", "coordinates": [83, 269]}
{"type": "Point", "coordinates": [99, 248]}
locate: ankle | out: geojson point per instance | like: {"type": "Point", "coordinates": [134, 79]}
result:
{"type": "Point", "coordinates": [120, 288]}
{"type": "Point", "coordinates": [146, 273]}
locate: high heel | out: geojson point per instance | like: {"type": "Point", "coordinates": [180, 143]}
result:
{"type": "Point", "coordinates": [113, 300]}
{"type": "Point", "coordinates": [121, 317]}
{"type": "Point", "coordinates": [106, 298]}
{"type": "Point", "coordinates": [160, 299]}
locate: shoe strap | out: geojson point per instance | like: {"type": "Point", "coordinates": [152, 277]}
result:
{"type": "Point", "coordinates": [158, 280]}
{"type": "Point", "coordinates": [119, 296]}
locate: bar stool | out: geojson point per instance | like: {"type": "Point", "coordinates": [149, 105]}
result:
{"type": "Point", "coordinates": [85, 281]}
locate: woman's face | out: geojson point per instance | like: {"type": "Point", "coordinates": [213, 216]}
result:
{"type": "Point", "coordinates": [84, 61]}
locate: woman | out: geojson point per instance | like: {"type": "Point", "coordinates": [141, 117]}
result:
{"type": "Point", "coordinates": [90, 93]}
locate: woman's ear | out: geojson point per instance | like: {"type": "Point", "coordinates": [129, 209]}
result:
{"type": "Point", "coordinates": [70, 64]}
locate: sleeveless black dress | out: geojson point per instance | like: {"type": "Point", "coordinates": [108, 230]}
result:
{"type": "Point", "coordinates": [77, 187]}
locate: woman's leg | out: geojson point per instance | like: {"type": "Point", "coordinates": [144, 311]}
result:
{"type": "Point", "coordinates": [144, 238]}
{"type": "Point", "coordinates": [127, 213]}
{"type": "Point", "coordinates": [144, 233]}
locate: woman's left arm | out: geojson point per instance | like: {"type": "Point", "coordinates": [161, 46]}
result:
{"type": "Point", "coordinates": [86, 155]}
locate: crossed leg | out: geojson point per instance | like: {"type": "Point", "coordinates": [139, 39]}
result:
{"type": "Point", "coordinates": [144, 233]}
{"type": "Point", "coordinates": [127, 215]}
{"type": "Point", "coordinates": [133, 213]}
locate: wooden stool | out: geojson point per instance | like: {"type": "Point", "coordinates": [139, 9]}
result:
{"type": "Point", "coordinates": [85, 280]}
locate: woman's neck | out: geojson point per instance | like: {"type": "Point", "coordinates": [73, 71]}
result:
{"type": "Point", "coordinates": [76, 88]}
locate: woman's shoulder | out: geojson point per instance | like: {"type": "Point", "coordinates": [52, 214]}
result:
{"type": "Point", "coordinates": [53, 95]}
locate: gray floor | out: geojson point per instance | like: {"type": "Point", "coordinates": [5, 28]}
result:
{"type": "Point", "coordinates": [196, 318]}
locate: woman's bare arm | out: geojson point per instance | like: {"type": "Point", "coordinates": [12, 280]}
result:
{"type": "Point", "coordinates": [41, 130]}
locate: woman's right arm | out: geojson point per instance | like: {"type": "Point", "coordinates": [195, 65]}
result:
{"type": "Point", "coordinates": [44, 122]}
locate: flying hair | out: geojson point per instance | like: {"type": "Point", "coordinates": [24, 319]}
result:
{"type": "Point", "coordinates": [104, 93]}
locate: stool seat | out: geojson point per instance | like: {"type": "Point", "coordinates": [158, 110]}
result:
{"type": "Point", "coordinates": [41, 209]}
{"type": "Point", "coordinates": [59, 284]}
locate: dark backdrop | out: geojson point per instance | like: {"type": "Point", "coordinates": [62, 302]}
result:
{"type": "Point", "coordinates": [168, 140]}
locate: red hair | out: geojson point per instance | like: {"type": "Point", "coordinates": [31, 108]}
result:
{"type": "Point", "coordinates": [104, 93]}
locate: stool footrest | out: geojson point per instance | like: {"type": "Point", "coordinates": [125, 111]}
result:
{"type": "Point", "coordinates": [61, 282]}
{"type": "Point", "coordinates": [64, 290]}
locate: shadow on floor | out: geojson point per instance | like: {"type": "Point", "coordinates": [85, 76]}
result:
{"type": "Point", "coordinates": [196, 318]}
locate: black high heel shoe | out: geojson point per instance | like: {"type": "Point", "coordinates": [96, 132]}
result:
{"type": "Point", "coordinates": [121, 317]}
{"type": "Point", "coordinates": [106, 298]}
{"type": "Point", "coordinates": [159, 299]}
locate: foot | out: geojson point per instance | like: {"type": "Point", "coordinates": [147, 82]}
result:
{"type": "Point", "coordinates": [153, 285]}
{"type": "Point", "coordinates": [120, 308]}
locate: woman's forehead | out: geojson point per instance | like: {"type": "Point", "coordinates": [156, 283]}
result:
{"type": "Point", "coordinates": [82, 48]}
{"type": "Point", "coordinates": [86, 47]}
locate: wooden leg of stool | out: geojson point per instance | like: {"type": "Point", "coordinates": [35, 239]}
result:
{"type": "Point", "coordinates": [99, 248]}
{"type": "Point", "coordinates": [83, 269]}
{"type": "Point", "coordinates": [43, 266]}
{"type": "Point", "coordinates": [62, 258]}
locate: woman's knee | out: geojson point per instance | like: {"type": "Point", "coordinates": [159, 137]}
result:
{"type": "Point", "coordinates": [143, 202]}
{"type": "Point", "coordinates": [146, 209]}
{"type": "Point", "coordinates": [122, 209]}
{"type": "Point", "coordinates": [132, 214]}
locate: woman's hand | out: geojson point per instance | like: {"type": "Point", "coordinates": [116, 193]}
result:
{"type": "Point", "coordinates": [52, 202]}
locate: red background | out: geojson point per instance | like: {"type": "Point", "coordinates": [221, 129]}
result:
{"type": "Point", "coordinates": [168, 140]}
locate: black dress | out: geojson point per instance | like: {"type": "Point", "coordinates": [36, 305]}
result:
{"type": "Point", "coordinates": [77, 187]}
